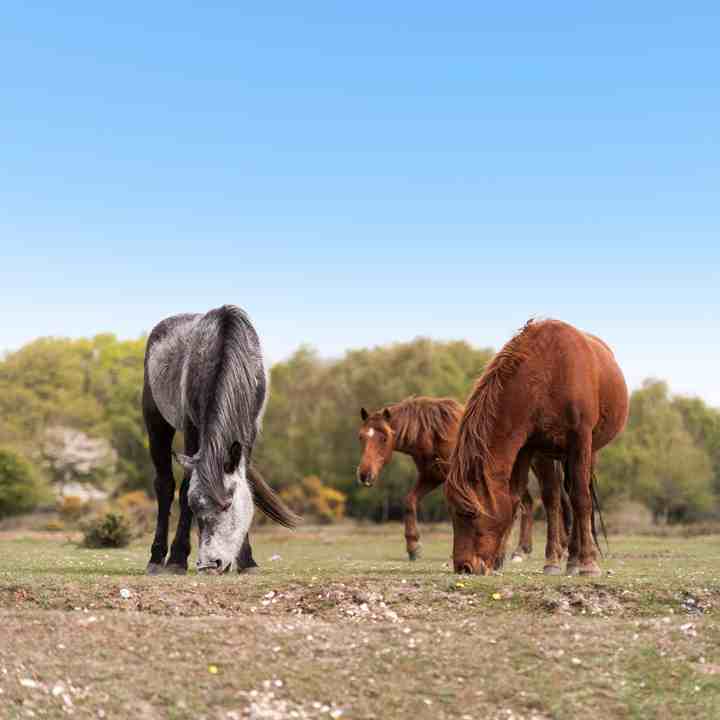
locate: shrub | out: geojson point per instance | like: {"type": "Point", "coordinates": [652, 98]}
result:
{"type": "Point", "coordinates": [20, 488]}
{"type": "Point", "coordinates": [72, 507]}
{"type": "Point", "coordinates": [139, 509]}
{"type": "Point", "coordinates": [310, 498]}
{"type": "Point", "coordinates": [111, 530]}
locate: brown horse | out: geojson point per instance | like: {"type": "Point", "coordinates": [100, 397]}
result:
{"type": "Point", "coordinates": [426, 429]}
{"type": "Point", "coordinates": [552, 390]}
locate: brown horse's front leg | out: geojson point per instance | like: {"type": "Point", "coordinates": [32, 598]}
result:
{"type": "Point", "coordinates": [518, 490]}
{"type": "Point", "coordinates": [551, 487]}
{"type": "Point", "coordinates": [426, 483]}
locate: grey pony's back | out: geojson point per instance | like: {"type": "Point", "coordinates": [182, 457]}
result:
{"type": "Point", "coordinates": [165, 354]}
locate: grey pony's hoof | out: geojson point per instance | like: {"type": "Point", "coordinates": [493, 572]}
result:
{"type": "Point", "coordinates": [174, 569]}
{"type": "Point", "coordinates": [552, 570]}
{"type": "Point", "coordinates": [253, 570]}
{"type": "Point", "coordinates": [155, 568]}
{"type": "Point", "coordinates": [415, 554]}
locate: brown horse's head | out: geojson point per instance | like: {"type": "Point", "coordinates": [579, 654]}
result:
{"type": "Point", "coordinates": [378, 442]}
{"type": "Point", "coordinates": [474, 549]}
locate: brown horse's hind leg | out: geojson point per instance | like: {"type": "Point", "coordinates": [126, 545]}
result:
{"type": "Point", "coordinates": [583, 555]}
{"type": "Point", "coordinates": [526, 528]}
{"type": "Point", "coordinates": [426, 483]}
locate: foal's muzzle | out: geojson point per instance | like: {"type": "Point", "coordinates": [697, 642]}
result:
{"type": "Point", "coordinates": [365, 478]}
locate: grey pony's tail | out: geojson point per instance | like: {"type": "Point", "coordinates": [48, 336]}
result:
{"type": "Point", "coordinates": [268, 501]}
{"type": "Point", "coordinates": [595, 506]}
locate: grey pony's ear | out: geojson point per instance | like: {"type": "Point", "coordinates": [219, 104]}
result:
{"type": "Point", "coordinates": [386, 414]}
{"type": "Point", "coordinates": [364, 414]}
{"type": "Point", "coordinates": [236, 452]}
{"type": "Point", "coordinates": [187, 462]}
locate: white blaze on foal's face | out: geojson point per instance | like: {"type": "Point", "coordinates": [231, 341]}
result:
{"type": "Point", "coordinates": [222, 531]}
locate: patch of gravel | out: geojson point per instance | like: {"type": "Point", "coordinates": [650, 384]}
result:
{"type": "Point", "coordinates": [269, 704]}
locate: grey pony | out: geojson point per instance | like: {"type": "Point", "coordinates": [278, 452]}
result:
{"type": "Point", "coordinates": [205, 377]}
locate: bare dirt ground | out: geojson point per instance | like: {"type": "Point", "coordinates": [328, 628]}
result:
{"type": "Point", "coordinates": [339, 624]}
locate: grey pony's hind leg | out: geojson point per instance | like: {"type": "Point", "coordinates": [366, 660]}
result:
{"type": "Point", "coordinates": [245, 561]}
{"type": "Point", "coordinates": [160, 434]}
{"type": "Point", "coordinates": [177, 563]}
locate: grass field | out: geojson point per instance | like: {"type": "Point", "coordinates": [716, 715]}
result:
{"type": "Point", "coordinates": [339, 624]}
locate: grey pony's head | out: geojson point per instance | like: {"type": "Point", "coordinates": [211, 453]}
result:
{"type": "Point", "coordinates": [223, 522]}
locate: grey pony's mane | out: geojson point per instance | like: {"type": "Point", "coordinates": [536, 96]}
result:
{"type": "Point", "coordinates": [224, 389]}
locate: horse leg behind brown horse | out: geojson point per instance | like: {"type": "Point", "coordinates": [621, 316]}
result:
{"type": "Point", "coordinates": [558, 513]}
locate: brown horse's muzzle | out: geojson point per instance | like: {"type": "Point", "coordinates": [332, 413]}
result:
{"type": "Point", "coordinates": [471, 567]}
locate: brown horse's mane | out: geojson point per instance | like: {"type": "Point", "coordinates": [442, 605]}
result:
{"type": "Point", "coordinates": [425, 423]}
{"type": "Point", "coordinates": [472, 451]}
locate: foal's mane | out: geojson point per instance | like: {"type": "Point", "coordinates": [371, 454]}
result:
{"type": "Point", "coordinates": [472, 451]}
{"type": "Point", "coordinates": [427, 421]}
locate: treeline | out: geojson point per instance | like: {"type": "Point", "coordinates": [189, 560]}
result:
{"type": "Point", "coordinates": [70, 412]}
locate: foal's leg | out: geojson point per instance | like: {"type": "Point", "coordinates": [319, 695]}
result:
{"type": "Point", "coordinates": [583, 555]}
{"type": "Point", "coordinates": [550, 482]}
{"type": "Point", "coordinates": [526, 528]}
{"type": "Point", "coordinates": [177, 563]}
{"type": "Point", "coordinates": [426, 483]}
{"type": "Point", "coordinates": [160, 435]}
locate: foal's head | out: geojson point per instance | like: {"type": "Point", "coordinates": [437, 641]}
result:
{"type": "Point", "coordinates": [378, 442]}
{"type": "Point", "coordinates": [223, 521]}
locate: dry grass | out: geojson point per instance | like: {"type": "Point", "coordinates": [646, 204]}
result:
{"type": "Point", "coordinates": [342, 626]}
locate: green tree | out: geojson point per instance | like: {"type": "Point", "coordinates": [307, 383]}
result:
{"type": "Point", "coordinates": [20, 488]}
{"type": "Point", "coordinates": [314, 413]}
{"type": "Point", "coordinates": [657, 461]}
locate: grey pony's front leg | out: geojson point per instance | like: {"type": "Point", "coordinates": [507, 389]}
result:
{"type": "Point", "coordinates": [245, 561]}
{"type": "Point", "coordinates": [177, 563]}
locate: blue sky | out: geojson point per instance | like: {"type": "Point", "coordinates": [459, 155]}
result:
{"type": "Point", "coordinates": [354, 174]}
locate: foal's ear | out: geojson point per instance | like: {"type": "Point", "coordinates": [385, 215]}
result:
{"type": "Point", "coordinates": [386, 414]}
{"type": "Point", "coordinates": [235, 453]}
{"type": "Point", "coordinates": [187, 462]}
{"type": "Point", "coordinates": [364, 414]}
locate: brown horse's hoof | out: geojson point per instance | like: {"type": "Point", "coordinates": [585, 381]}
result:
{"type": "Point", "coordinates": [552, 570]}
{"type": "Point", "coordinates": [572, 569]}
{"type": "Point", "coordinates": [590, 570]}
{"type": "Point", "coordinates": [254, 570]}
{"type": "Point", "coordinates": [415, 554]}
{"type": "Point", "coordinates": [155, 568]}
{"type": "Point", "coordinates": [174, 569]}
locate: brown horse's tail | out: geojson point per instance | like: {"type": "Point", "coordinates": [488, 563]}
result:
{"type": "Point", "coordinates": [596, 508]}
{"type": "Point", "coordinates": [269, 502]}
